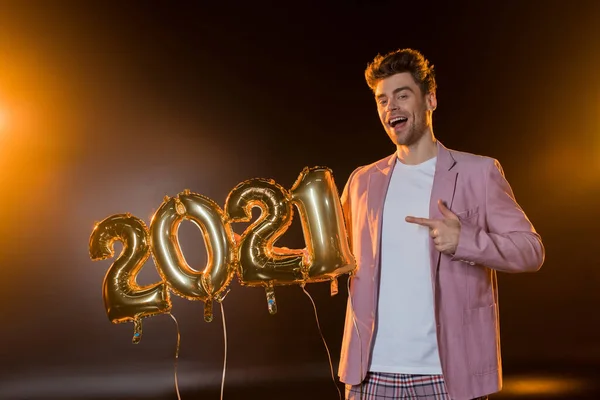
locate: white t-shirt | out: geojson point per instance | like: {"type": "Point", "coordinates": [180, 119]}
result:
{"type": "Point", "coordinates": [405, 337]}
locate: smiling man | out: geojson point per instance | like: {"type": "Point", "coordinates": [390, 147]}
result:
{"type": "Point", "coordinates": [429, 228]}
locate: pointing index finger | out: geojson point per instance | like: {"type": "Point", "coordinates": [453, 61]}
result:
{"type": "Point", "coordinates": [430, 223]}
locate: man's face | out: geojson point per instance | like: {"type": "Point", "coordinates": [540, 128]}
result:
{"type": "Point", "coordinates": [403, 109]}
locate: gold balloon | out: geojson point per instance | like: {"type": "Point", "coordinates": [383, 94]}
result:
{"type": "Point", "coordinates": [124, 299]}
{"type": "Point", "coordinates": [317, 199]}
{"type": "Point", "coordinates": [212, 281]}
{"type": "Point", "coordinates": [259, 263]}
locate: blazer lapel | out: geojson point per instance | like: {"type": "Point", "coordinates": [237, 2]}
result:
{"type": "Point", "coordinates": [379, 181]}
{"type": "Point", "coordinates": [444, 185]}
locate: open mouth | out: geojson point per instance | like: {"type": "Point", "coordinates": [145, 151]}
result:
{"type": "Point", "coordinates": [397, 121]}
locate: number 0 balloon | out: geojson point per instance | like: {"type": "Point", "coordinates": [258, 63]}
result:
{"type": "Point", "coordinates": [218, 238]}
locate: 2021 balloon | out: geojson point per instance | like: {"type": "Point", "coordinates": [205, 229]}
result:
{"type": "Point", "coordinates": [124, 299]}
{"type": "Point", "coordinates": [255, 258]}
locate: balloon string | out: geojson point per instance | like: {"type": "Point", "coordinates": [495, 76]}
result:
{"type": "Point", "coordinates": [225, 356]}
{"type": "Point", "coordinates": [176, 355]}
{"type": "Point", "coordinates": [359, 339]}
{"type": "Point", "coordinates": [324, 342]}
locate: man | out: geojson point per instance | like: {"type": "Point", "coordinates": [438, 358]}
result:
{"type": "Point", "coordinates": [429, 228]}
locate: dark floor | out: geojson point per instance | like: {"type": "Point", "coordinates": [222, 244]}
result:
{"type": "Point", "coordinates": [521, 383]}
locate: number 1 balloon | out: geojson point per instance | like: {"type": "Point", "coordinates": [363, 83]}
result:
{"type": "Point", "coordinates": [315, 195]}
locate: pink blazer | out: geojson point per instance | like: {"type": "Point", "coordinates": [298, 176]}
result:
{"type": "Point", "coordinates": [495, 236]}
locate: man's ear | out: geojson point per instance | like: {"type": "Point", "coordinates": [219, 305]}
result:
{"type": "Point", "coordinates": [431, 101]}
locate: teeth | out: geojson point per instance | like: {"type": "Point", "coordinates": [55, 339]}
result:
{"type": "Point", "coordinates": [397, 119]}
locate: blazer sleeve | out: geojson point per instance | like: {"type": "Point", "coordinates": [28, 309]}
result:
{"type": "Point", "coordinates": [510, 242]}
{"type": "Point", "coordinates": [347, 209]}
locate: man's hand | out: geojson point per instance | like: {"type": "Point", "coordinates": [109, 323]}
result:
{"type": "Point", "coordinates": [445, 232]}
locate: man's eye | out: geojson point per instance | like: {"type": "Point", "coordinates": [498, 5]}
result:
{"type": "Point", "coordinates": [382, 102]}
{"type": "Point", "coordinates": [403, 96]}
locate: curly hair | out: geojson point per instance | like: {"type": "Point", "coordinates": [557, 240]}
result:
{"type": "Point", "coordinates": [402, 60]}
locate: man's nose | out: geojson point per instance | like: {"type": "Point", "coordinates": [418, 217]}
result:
{"type": "Point", "coordinates": [391, 105]}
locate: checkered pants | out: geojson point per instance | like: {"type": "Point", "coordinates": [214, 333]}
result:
{"type": "Point", "coordinates": [380, 385]}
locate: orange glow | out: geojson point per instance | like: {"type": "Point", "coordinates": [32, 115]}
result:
{"type": "Point", "coordinates": [541, 385]}
{"type": "Point", "coordinates": [3, 121]}
{"type": "Point", "coordinates": [37, 131]}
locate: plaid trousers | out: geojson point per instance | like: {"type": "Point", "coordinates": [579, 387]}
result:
{"type": "Point", "coordinates": [381, 385]}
